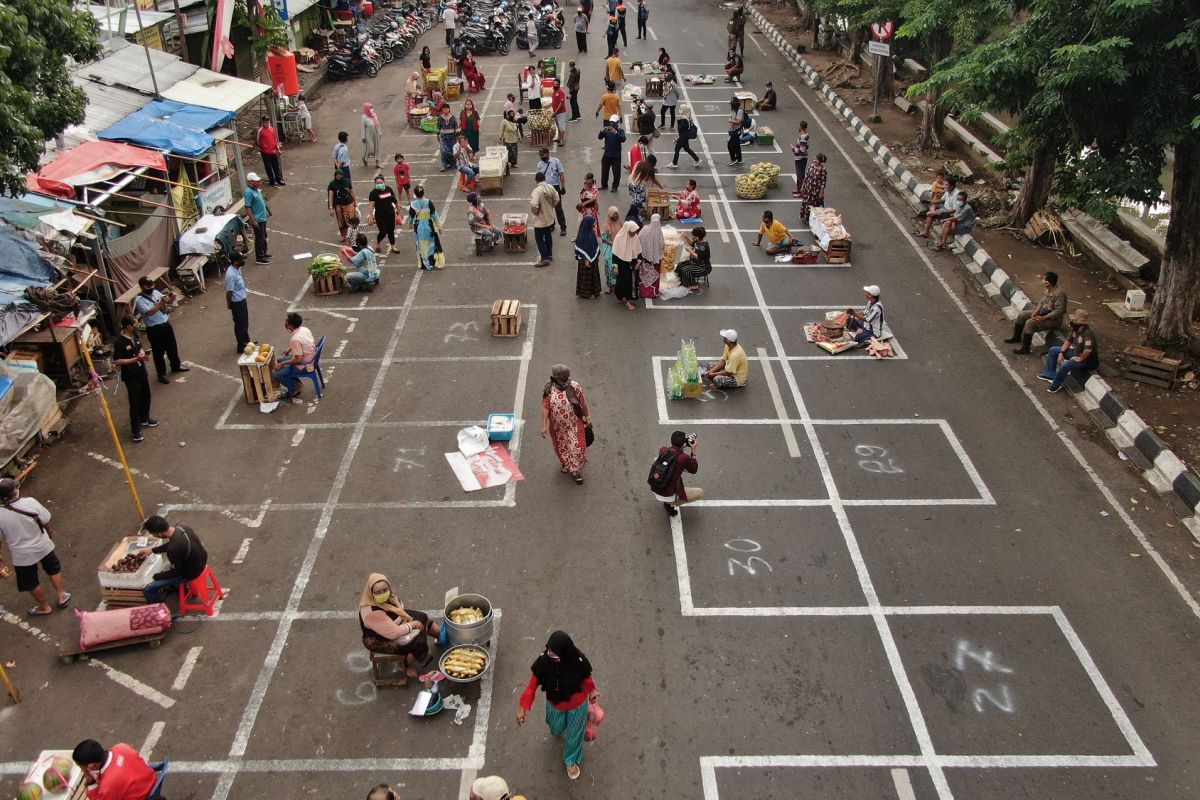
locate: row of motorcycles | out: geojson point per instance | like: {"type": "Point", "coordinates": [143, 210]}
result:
{"type": "Point", "coordinates": [391, 34]}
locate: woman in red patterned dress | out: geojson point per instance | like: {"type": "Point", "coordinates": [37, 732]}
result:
{"type": "Point", "coordinates": [565, 419]}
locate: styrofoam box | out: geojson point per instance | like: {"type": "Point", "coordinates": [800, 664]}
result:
{"type": "Point", "coordinates": [130, 580]}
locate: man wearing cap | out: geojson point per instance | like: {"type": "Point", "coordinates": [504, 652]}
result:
{"type": "Point", "coordinates": [492, 787]}
{"type": "Point", "coordinates": [1079, 352]}
{"type": "Point", "coordinates": [131, 357]}
{"type": "Point", "coordinates": [867, 323]}
{"type": "Point", "coordinates": [613, 136]}
{"type": "Point", "coordinates": [1045, 317]}
{"type": "Point", "coordinates": [117, 774]}
{"type": "Point", "coordinates": [256, 215]}
{"type": "Point", "coordinates": [149, 305]}
{"type": "Point", "coordinates": [25, 528]}
{"type": "Point", "coordinates": [733, 369]}
{"type": "Point", "coordinates": [235, 301]}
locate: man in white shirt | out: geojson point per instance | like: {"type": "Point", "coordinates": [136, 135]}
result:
{"type": "Point", "coordinates": [867, 324]}
{"type": "Point", "coordinates": [25, 528]}
{"type": "Point", "coordinates": [450, 18]}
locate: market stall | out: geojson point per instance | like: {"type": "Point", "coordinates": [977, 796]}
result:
{"type": "Point", "coordinates": [830, 232]}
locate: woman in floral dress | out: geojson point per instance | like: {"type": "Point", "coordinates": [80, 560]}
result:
{"type": "Point", "coordinates": [565, 420]}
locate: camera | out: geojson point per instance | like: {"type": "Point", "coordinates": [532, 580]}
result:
{"type": "Point", "coordinates": [690, 439]}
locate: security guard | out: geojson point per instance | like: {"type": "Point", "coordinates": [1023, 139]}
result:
{"type": "Point", "coordinates": [131, 357]}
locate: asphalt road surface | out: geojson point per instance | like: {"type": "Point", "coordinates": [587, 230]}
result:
{"type": "Point", "coordinates": [913, 578]}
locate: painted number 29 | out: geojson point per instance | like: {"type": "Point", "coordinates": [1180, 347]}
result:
{"type": "Point", "coordinates": [876, 459]}
{"type": "Point", "coordinates": [745, 546]}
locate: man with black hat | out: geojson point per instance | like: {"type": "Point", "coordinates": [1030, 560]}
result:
{"type": "Point", "coordinates": [235, 300]}
{"type": "Point", "coordinates": [150, 304]}
{"type": "Point", "coordinates": [131, 357]}
{"type": "Point", "coordinates": [183, 549]}
{"type": "Point", "coordinates": [25, 528]}
{"type": "Point", "coordinates": [117, 774]}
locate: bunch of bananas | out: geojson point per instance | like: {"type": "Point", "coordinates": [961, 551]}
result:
{"type": "Point", "coordinates": [466, 616]}
{"type": "Point", "coordinates": [751, 187]}
{"type": "Point", "coordinates": [768, 170]}
{"type": "Point", "coordinates": [464, 662]}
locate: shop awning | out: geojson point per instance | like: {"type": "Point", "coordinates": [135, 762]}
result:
{"type": "Point", "coordinates": [42, 215]}
{"type": "Point", "coordinates": [91, 162]}
{"type": "Point", "coordinates": [20, 266]}
{"type": "Point", "coordinates": [111, 19]}
{"type": "Point", "coordinates": [215, 90]}
{"type": "Point", "coordinates": [179, 128]}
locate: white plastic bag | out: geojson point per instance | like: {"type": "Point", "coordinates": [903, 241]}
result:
{"type": "Point", "coordinates": [472, 440]}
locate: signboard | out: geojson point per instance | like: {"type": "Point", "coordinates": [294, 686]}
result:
{"type": "Point", "coordinates": [281, 7]}
{"type": "Point", "coordinates": [219, 194]}
{"type": "Point", "coordinates": [879, 49]}
{"type": "Point", "coordinates": [882, 31]}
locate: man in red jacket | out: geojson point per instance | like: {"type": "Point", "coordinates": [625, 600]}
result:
{"type": "Point", "coordinates": [117, 774]}
{"type": "Point", "coordinates": [673, 494]}
{"type": "Point", "coordinates": [266, 138]}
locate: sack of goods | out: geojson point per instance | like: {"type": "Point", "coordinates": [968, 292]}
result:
{"type": "Point", "coordinates": [752, 186]}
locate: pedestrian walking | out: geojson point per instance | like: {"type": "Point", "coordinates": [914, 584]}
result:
{"type": "Point", "coordinates": [643, 16]}
{"type": "Point", "coordinates": [625, 251]}
{"type": "Point", "coordinates": [491, 787]}
{"type": "Point", "coordinates": [558, 107]}
{"type": "Point", "coordinates": [812, 191]}
{"type": "Point", "coordinates": [611, 33]}
{"type": "Point", "coordinates": [736, 118]}
{"type": "Point", "coordinates": [669, 100]}
{"type": "Point", "coordinates": [666, 474]}
{"type": "Point", "coordinates": [556, 177]}
{"type": "Point", "coordinates": [469, 123]}
{"type": "Point", "coordinates": [608, 233]}
{"type": "Point", "coordinates": [614, 72]}
{"type": "Point", "coordinates": [131, 357]}
{"type": "Point", "coordinates": [25, 528]}
{"type": "Point", "coordinates": [566, 420]}
{"type": "Point", "coordinates": [542, 206]}
{"type": "Point", "coordinates": [685, 132]}
{"type": "Point", "coordinates": [510, 135]}
{"type": "Point", "coordinates": [341, 154]}
{"type": "Point", "coordinates": [450, 20]}
{"type": "Point", "coordinates": [581, 29]}
{"type": "Point", "coordinates": [587, 253]}
{"type": "Point", "coordinates": [800, 155]}
{"type": "Point", "coordinates": [266, 138]}
{"type": "Point", "coordinates": [573, 80]}
{"type": "Point", "coordinates": [384, 206]}
{"type": "Point", "coordinates": [426, 223]}
{"type": "Point", "coordinates": [184, 552]}
{"type": "Point", "coordinates": [308, 132]}
{"type": "Point", "coordinates": [372, 134]}
{"type": "Point", "coordinates": [447, 128]}
{"type": "Point", "coordinates": [342, 204]}
{"type": "Point", "coordinates": [613, 136]}
{"type": "Point", "coordinates": [565, 675]}
{"type": "Point", "coordinates": [149, 305]}
{"type": "Point", "coordinates": [531, 36]}
{"type": "Point", "coordinates": [235, 301]}
{"type": "Point", "coordinates": [621, 23]}
{"type": "Point", "coordinates": [257, 215]}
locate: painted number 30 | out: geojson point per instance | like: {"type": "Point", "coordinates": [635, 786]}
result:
{"type": "Point", "coordinates": [749, 563]}
{"type": "Point", "coordinates": [876, 459]}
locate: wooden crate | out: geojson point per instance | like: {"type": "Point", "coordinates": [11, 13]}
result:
{"type": "Point", "coordinates": [506, 318]}
{"type": "Point", "coordinates": [1147, 365]}
{"type": "Point", "coordinates": [258, 382]}
{"type": "Point", "coordinates": [491, 183]}
{"type": "Point", "coordinates": [121, 598]}
{"type": "Point", "coordinates": [838, 252]}
{"type": "Point", "coordinates": [453, 89]}
{"type": "Point", "coordinates": [541, 137]}
{"type": "Point", "coordinates": [330, 284]}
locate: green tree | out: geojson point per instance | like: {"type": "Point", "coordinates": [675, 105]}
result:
{"type": "Point", "coordinates": [37, 99]}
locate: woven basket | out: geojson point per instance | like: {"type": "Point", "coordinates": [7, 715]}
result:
{"type": "Point", "coordinates": [750, 189]}
{"type": "Point", "coordinates": [768, 170]}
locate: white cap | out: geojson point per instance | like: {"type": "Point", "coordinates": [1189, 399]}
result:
{"type": "Point", "coordinates": [252, 177]}
{"type": "Point", "coordinates": [730, 334]}
{"type": "Point", "coordinates": [872, 290]}
{"type": "Point", "coordinates": [493, 787]}
{"type": "Point", "coordinates": [614, 118]}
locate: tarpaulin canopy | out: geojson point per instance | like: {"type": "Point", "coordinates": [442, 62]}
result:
{"type": "Point", "coordinates": [91, 162]}
{"type": "Point", "coordinates": [20, 266]}
{"type": "Point", "coordinates": [170, 125]}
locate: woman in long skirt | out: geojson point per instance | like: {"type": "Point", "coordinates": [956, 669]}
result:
{"type": "Point", "coordinates": [812, 191]}
{"type": "Point", "coordinates": [372, 134]}
{"type": "Point", "coordinates": [587, 252]}
{"type": "Point", "coordinates": [612, 226]}
{"type": "Point", "coordinates": [565, 675]}
{"type": "Point", "coordinates": [425, 222]}
{"type": "Point", "coordinates": [626, 250]}
{"type": "Point", "coordinates": [653, 249]}
{"type": "Point", "coordinates": [469, 123]}
{"type": "Point", "coordinates": [565, 419]}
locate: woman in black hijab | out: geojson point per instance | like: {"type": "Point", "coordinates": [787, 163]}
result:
{"type": "Point", "coordinates": [565, 675]}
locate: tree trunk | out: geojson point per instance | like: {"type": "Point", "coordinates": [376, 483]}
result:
{"type": "Point", "coordinates": [933, 118]}
{"type": "Point", "coordinates": [856, 44]}
{"type": "Point", "coordinates": [816, 29]}
{"type": "Point", "coordinates": [1035, 193]}
{"type": "Point", "coordinates": [1174, 302]}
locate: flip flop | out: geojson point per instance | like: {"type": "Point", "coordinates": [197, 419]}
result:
{"type": "Point", "coordinates": [573, 772]}
{"type": "Point", "coordinates": [66, 602]}
{"type": "Point", "coordinates": [36, 612]}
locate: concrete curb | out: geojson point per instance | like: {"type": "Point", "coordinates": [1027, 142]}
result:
{"type": "Point", "coordinates": [1133, 438]}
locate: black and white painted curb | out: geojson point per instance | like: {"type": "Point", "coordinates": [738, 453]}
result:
{"type": "Point", "coordinates": [1132, 437]}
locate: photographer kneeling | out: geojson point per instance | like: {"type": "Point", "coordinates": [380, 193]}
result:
{"type": "Point", "coordinates": [666, 474]}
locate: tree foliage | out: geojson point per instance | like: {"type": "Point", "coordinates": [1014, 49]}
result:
{"type": "Point", "coordinates": [37, 99]}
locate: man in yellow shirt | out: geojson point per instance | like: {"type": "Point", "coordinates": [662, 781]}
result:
{"type": "Point", "coordinates": [612, 68]}
{"type": "Point", "coordinates": [733, 369]}
{"type": "Point", "coordinates": [778, 238]}
{"type": "Point", "coordinates": [610, 101]}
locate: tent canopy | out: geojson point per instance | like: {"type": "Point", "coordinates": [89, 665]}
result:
{"type": "Point", "coordinates": [91, 162]}
{"type": "Point", "coordinates": [215, 90]}
{"type": "Point", "coordinates": [169, 125]}
{"type": "Point", "coordinates": [20, 266]}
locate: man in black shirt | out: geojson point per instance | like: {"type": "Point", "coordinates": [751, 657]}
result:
{"type": "Point", "coordinates": [183, 549]}
{"type": "Point", "coordinates": [131, 357]}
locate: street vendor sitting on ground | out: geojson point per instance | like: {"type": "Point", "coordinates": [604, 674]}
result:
{"type": "Point", "coordinates": [769, 99]}
{"type": "Point", "coordinates": [183, 550]}
{"type": "Point", "coordinates": [866, 324]}
{"type": "Point", "coordinates": [732, 370]}
{"type": "Point", "coordinates": [733, 66]}
{"type": "Point", "coordinates": [778, 238]}
{"type": "Point", "coordinates": [364, 276]}
{"type": "Point", "coordinates": [302, 350]}
{"type": "Point", "coordinates": [117, 774]}
{"type": "Point", "coordinates": [389, 628]}
{"type": "Point", "coordinates": [689, 202]}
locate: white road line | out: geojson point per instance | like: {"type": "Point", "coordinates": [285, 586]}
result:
{"type": "Point", "coordinates": [650, 31]}
{"type": "Point", "coordinates": [789, 435]}
{"type": "Point", "coordinates": [686, 607]}
{"type": "Point", "coordinates": [721, 231]}
{"type": "Point", "coordinates": [189, 664]}
{"type": "Point", "coordinates": [984, 337]}
{"type": "Point", "coordinates": [514, 445]}
{"type": "Point", "coordinates": [143, 690]}
{"type": "Point", "coordinates": [904, 789]}
{"type": "Point", "coordinates": [243, 551]}
{"type": "Point", "coordinates": [156, 731]}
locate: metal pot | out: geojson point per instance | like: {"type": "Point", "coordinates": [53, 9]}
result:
{"type": "Point", "coordinates": [486, 666]}
{"type": "Point", "coordinates": [471, 633]}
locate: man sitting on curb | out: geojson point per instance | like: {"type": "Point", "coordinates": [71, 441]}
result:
{"type": "Point", "coordinates": [732, 370]}
{"type": "Point", "coordinates": [959, 223]}
{"type": "Point", "coordinates": [666, 475]}
{"type": "Point", "coordinates": [1078, 353]}
{"type": "Point", "coordinates": [1046, 317]}
{"type": "Point", "coordinates": [943, 208]}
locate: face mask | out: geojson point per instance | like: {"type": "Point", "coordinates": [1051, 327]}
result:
{"type": "Point", "coordinates": [379, 186]}
{"type": "Point", "coordinates": [381, 598]}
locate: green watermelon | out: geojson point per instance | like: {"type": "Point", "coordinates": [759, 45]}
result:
{"type": "Point", "coordinates": [29, 791]}
{"type": "Point", "coordinates": [57, 777]}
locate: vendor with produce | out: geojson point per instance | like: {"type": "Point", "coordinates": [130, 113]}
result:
{"type": "Point", "coordinates": [183, 549]}
{"type": "Point", "coordinates": [387, 627]}
{"type": "Point", "coordinates": [364, 276]}
{"type": "Point", "coordinates": [778, 238]}
{"type": "Point", "coordinates": [302, 350]}
{"type": "Point", "coordinates": [867, 323]}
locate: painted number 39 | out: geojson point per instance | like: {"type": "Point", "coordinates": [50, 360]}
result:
{"type": "Point", "coordinates": [876, 459]}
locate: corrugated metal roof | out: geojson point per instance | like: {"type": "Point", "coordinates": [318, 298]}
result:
{"type": "Point", "coordinates": [107, 105]}
{"type": "Point", "coordinates": [298, 7]}
{"type": "Point", "coordinates": [215, 90]}
{"type": "Point", "coordinates": [126, 66]}
{"type": "Point", "coordinates": [110, 19]}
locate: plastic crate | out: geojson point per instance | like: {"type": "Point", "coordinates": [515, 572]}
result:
{"type": "Point", "coordinates": [767, 139]}
{"type": "Point", "coordinates": [504, 433]}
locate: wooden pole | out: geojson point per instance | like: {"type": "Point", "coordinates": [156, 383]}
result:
{"type": "Point", "coordinates": [112, 429]}
{"type": "Point", "coordinates": [8, 684]}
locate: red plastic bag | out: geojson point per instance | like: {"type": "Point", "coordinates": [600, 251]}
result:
{"type": "Point", "coordinates": [595, 717]}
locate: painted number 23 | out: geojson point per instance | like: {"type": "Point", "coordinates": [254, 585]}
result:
{"type": "Point", "coordinates": [876, 459]}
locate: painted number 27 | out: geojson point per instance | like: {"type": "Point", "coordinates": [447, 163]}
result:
{"type": "Point", "coordinates": [876, 459]}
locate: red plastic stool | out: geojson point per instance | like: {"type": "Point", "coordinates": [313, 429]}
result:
{"type": "Point", "coordinates": [465, 185]}
{"type": "Point", "coordinates": [200, 594]}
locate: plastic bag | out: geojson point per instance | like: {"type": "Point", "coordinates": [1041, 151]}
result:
{"type": "Point", "coordinates": [595, 717]}
{"type": "Point", "coordinates": [675, 383]}
{"type": "Point", "coordinates": [472, 440]}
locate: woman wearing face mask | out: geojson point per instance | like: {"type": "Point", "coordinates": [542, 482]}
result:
{"type": "Point", "coordinates": [565, 675]}
{"type": "Point", "coordinates": [387, 627]}
{"type": "Point", "coordinates": [383, 215]}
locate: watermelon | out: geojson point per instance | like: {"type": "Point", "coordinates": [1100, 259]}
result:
{"type": "Point", "coordinates": [57, 777]}
{"type": "Point", "coordinates": [29, 791]}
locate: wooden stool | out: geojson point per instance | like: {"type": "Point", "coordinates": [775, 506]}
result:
{"type": "Point", "coordinates": [654, 87]}
{"type": "Point", "coordinates": [398, 678]}
{"type": "Point", "coordinates": [453, 89]}
{"type": "Point", "coordinates": [506, 318]}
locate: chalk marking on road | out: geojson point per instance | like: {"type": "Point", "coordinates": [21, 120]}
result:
{"type": "Point", "coordinates": [789, 435]}
{"type": "Point", "coordinates": [189, 664]}
{"type": "Point", "coordinates": [170, 487]}
{"type": "Point", "coordinates": [217, 372]}
{"type": "Point", "coordinates": [341, 347]}
{"type": "Point", "coordinates": [156, 731]}
{"type": "Point", "coordinates": [240, 556]}
{"type": "Point", "coordinates": [1108, 496]}
{"type": "Point", "coordinates": [904, 789]}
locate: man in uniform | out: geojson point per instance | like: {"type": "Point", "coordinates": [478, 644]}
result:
{"type": "Point", "coordinates": [1079, 352]}
{"type": "Point", "coordinates": [149, 305]}
{"type": "Point", "coordinates": [1046, 317]}
{"type": "Point", "coordinates": [131, 357]}
{"type": "Point", "coordinates": [235, 301]}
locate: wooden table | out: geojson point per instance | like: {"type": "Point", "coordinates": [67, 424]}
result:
{"type": "Point", "coordinates": [258, 380]}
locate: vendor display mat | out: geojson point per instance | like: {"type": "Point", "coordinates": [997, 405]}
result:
{"type": "Point", "coordinates": [493, 467]}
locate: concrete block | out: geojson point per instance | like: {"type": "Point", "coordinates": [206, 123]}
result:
{"type": "Point", "coordinates": [999, 276]}
{"type": "Point", "coordinates": [1128, 315]}
{"type": "Point", "coordinates": [994, 123]}
{"type": "Point", "coordinates": [904, 104]}
{"type": "Point", "coordinates": [962, 169]}
{"type": "Point", "coordinates": [1097, 387]}
{"type": "Point", "coordinates": [914, 69]}
{"type": "Point", "coordinates": [1168, 465]}
{"type": "Point", "coordinates": [959, 131]}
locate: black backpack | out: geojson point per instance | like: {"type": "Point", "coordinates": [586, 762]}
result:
{"type": "Point", "coordinates": [662, 471]}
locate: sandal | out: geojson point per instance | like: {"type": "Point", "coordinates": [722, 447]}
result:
{"type": "Point", "coordinates": [37, 612]}
{"type": "Point", "coordinates": [573, 772]}
{"type": "Point", "coordinates": [578, 478]}
{"type": "Point", "coordinates": [65, 602]}
{"type": "Point", "coordinates": [940, 248]}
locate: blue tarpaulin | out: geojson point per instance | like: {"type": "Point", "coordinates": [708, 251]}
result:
{"type": "Point", "coordinates": [20, 266]}
{"type": "Point", "coordinates": [168, 125]}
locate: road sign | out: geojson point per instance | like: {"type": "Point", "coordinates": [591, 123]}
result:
{"type": "Point", "coordinates": [879, 49]}
{"type": "Point", "coordinates": [882, 31]}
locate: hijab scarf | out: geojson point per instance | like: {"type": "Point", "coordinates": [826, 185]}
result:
{"type": "Point", "coordinates": [369, 113]}
{"type": "Point", "coordinates": [685, 111]}
{"type": "Point", "coordinates": [561, 679]}
{"type": "Point", "coordinates": [567, 387]}
{"type": "Point", "coordinates": [626, 244]}
{"type": "Point", "coordinates": [651, 238]}
{"type": "Point", "coordinates": [587, 244]}
{"type": "Point", "coordinates": [414, 83]}
{"type": "Point", "coordinates": [393, 604]}
{"type": "Point", "coordinates": [612, 222]}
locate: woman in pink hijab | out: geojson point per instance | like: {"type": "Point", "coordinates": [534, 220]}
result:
{"type": "Point", "coordinates": [372, 133]}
